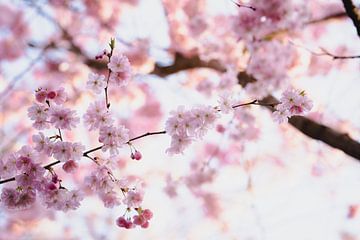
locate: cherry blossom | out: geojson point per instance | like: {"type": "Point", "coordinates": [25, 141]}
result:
{"type": "Point", "coordinates": [293, 102]}
{"type": "Point", "coordinates": [120, 70]}
{"type": "Point", "coordinates": [63, 118]}
{"type": "Point", "coordinates": [96, 82]}
{"type": "Point", "coordinates": [134, 198]}
{"type": "Point", "coordinates": [70, 166]}
{"type": "Point", "coordinates": [226, 103]}
{"type": "Point", "coordinates": [113, 138]}
{"type": "Point", "coordinates": [97, 116]}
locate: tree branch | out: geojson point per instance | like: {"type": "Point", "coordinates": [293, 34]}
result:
{"type": "Point", "coordinates": [310, 128]}
{"type": "Point", "coordinates": [353, 13]}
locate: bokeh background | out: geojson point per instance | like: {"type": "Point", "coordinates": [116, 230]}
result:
{"type": "Point", "coordinates": [268, 182]}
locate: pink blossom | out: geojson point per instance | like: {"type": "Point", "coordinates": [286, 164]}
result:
{"type": "Point", "coordinates": [293, 102]}
{"type": "Point", "coordinates": [29, 152]}
{"type": "Point", "coordinates": [121, 79]}
{"type": "Point", "coordinates": [39, 113]}
{"type": "Point", "coordinates": [281, 114]}
{"type": "Point", "coordinates": [170, 188]}
{"type": "Point", "coordinates": [8, 165]}
{"type": "Point", "coordinates": [24, 180]}
{"type": "Point", "coordinates": [97, 116]}
{"type": "Point", "coordinates": [228, 79]}
{"type": "Point", "coordinates": [133, 198]}
{"type": "Point", "coordinates": [113, 138]}
{"type": "Point", "coordinates": [61, 199]}
{"type": "Point", "coordinates": [77, 150]}
{"type": "Point", "coordinates": [13, 199]}
{"type": "Point", "coordinates": [62, 151]}
{"type": "Point", "coordinates": [136, 156]}
{"type": "Point", "coordinates": [122, 222]}
{"type": "Point", "coordinates": [96, 82]}
{"type": "Point", "coordinates": [9, 197]}
{"type": "Point", "coordinates": [23, 162]}
{"type": "Point", "coordinates": [206, 87]}
{"type": "Point", "coordinates": [72, 200]}
{"type": "Point", "coordinates": [63, 118]}
{"type": "Point", "coordinates": [110, 199]}
{"type": "Point", "coordinates": [184, 126]}
{"type": "Point", "coordinates": [41, 143]}
{"type": "Point", "coordinates": [36, 171]}
{"type": "Point", "coordinates": [118, 63]}
{"type": "Point", "coordinates": [226, 102]}
{"type": "Point", "coordinates": [147, 214]}
{"type": "Point", "coordinates": [60, 97]}
{"type": "Point", "coordinates": [178, 144]}
{"type": "Point", "coordinates": [70, 166]}
{"type": "Point", "coordinates": [41, 96]}
{"type": "Point", "coordinates": [51, 95]}
{"type": "Point", "coordinates": [120, 70]}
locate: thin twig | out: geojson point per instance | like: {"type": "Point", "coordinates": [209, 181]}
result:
{"type": "Point", "coordinates": [18, 77]}
{"type": "Point", "coordinates": [244, 6]}
{"type": "Point", "coordinates": [324, 52]}
{"type": "Point", "coordinates": [86, 154]}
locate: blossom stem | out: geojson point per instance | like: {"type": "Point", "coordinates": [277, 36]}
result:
{"type": "Point", "coordinates": [86, 154]}
{"type": "Point", "coordinates": [255, 102]}
{"type": "Point", "coordinates": [60, 135]}
{"type": "Point", "coordinates": [146, 134]}
{"type": "Point", "coordinates": [107, 81]}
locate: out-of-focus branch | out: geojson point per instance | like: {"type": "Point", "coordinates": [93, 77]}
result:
{"type": "Point", "coordinates": [18, 77]}
{"type": "Point", "coordinates": [323, 133]}
{"type": "Point", "coordinates": [333, 16]}
{"type": "Point", "coordinates": [310, 128]}
{"type": "Point", "coordinates": [325, 52]}
{"type": "Point", "coordinates": [353, 13]}
{"type": "Point", "coordinates": [186, 63]}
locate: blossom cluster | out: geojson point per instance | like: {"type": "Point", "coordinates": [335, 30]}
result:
{"type": "Point", "coordinates": [31, 181]}
{"type": "Point", "coordinates": [113, 138]}
{"type": "Point", "coordinates": [120, 70]}
{"type": "Point", "coordinates": [270, 16]}
{"type": "Point", "coordinates": [100, 182]}
{"type": "Point", "coordinates": [44, 113]}
{"type": "Point", "coordinates": [269, 64]}
{"type": "Point", "coordinates": [187, 125]}
{"type": "Point", "coordinates": [60, 150]}
{"type": "Point", "coordinates": [142, 219]}
{"type": "Point", "coordinates": [293, 102]}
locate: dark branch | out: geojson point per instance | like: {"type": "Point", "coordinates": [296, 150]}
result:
{"type": "Point", "coordinates": [315, 130]}
{"type": "Point", "coordinates": [185, 63]}
{"type": "Point", "coordinates": [353, 13]}
{"type": "Point", "coordinates": [312, 129]}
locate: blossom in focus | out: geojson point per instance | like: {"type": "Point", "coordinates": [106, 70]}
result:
{"type": "Point", "coordinates": [120, 70]}
{"type": "Point", "coordinates": [293, 102]}
{"type": "Point", "coordinates": [96, 82]}
{"type": "Point", "coordinates": [226, 102]}
{"type": "Point", "coordinates": [63, 118]}
{"type": "Point", "coordinates": [97, 116]}
{"type": "Point", "coordinates": [113, 138]}
{"type": "Point", "coordinates": [187, 125]}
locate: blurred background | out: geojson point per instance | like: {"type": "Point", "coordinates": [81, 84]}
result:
{"type": "Point", "coordinates": [249, 178]}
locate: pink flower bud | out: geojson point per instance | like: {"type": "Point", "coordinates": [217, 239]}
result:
{"type": "Point", "coordinates": [145, 225]}
{"type": "Point", "coordinates": [147, 214]}
{"type": "Point", "coordinates": [220, 128]}
{"type": "Point", "coordinates": [137, 155]}
{"type": "Point", "coordinates": [51, 186]}
{"type": "Point", "coordinates": [122, 222]}
{"type": "Point", "coordinates": [54, 179]}
{"type": "Point", "coordinates": [51, 95]}
{"type": "Point", "coordinates": [41, 96]}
